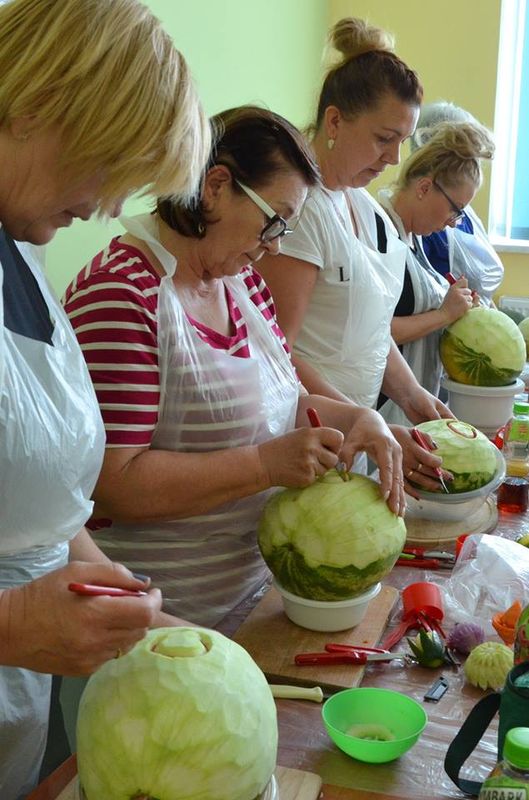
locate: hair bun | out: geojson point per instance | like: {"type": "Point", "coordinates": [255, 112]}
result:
{"type": "Point", "coordinates": [352, 37]}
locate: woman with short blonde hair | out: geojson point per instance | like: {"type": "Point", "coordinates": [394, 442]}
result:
{"type": "Point", "coordinates": [108, 75]}
{"type": "Point", "coordinates": [95, 103]}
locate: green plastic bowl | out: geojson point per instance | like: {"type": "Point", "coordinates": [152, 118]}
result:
{"type": "Point", "coordinates": [403, 717]}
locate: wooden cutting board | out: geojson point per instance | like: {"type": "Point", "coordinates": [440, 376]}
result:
{"type": "Point", "coordinates": [294, 784]}
{"type": "Point", "coordinates": [273, 640]}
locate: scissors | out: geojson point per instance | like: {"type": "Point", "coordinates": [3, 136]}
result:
{"type": "Point", "coordinates": [427, 559]}
{"type": "Point", "coordinates": [348, 654]}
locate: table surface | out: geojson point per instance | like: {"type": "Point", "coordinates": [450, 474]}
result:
{"type": "Point", "coordinates": [304, 744]}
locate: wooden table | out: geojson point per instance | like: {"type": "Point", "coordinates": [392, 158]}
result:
{"type": "Point", "coordinates": [53, 786]}
{"type": "Point", "coordinates": [418, 774]}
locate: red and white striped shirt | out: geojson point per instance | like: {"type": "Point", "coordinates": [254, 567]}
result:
{"type": "Point", "coordinates": [112, 305]}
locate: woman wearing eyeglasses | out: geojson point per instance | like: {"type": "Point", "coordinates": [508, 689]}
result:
{"type": "Point", "coordinates": [344, 263]}
{"type": "Point", "coordinates": [464, 249]}
{"type": "Point", "coordinates": [435, 184]}
{"type": "Point", "coordinates": [203, 410]}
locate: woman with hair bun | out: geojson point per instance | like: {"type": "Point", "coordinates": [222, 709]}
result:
{"type": "Point", "coordinates": [344, 263]}
{"type": "Point", "coordinates": [435, 184]}
{"type": "Point", "coordinates": [463, 249]}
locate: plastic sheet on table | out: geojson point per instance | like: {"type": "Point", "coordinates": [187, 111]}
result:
{"type": "Point", "coordinates": [490, 574]}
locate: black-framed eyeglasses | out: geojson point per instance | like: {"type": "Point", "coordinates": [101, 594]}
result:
{"type": "Point", "coordinates": [276, 226]}
{"type": "Point", "coordinates": [458, 213]}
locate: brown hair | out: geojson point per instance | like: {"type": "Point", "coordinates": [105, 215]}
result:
{"type": "Point", "coordinates": [367, 69]}
{"type": "Point", "coordinates": [452, 155]}
{"type": "Point", "coordinates": [256, 145]}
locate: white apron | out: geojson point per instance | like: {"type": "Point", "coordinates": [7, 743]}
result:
{"type": "Point", "coordinates": [51, 450]}
{"type": "Point", "coordinates": [205, 565]}
{"type": "Point", "coordinates": [375, 284]}
{"type": "Point", "coordinates": [429, 290]}
{"type": "Point", "coordinates": [472, 255]}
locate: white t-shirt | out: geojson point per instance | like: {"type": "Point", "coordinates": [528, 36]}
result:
{"type": "Point", "coordinates": [323, 238]}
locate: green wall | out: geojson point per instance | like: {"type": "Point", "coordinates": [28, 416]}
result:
{"type": "Point", "coordinates": [240, 51]}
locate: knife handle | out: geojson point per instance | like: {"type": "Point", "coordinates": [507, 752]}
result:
{"type": "Point", "coordinates": [312, 659]}
{"type": "Point", "coordinates": [313, 693]}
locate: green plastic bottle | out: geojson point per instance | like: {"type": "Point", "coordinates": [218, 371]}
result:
{"type": "Point", "coordinates": [509, 780]}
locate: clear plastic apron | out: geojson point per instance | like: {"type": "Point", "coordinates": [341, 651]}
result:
{"type": "Point", "coordinates": [51, 450]}
{"type": "Point", "coordinates": [472, 255]}
{"type": "Point", "coordinates": [205, 565]}
{"type": "Point", "coordinates": [429, 290]}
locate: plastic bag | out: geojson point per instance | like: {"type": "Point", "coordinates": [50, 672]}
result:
{"type": "Point", "coordinates": [473, 256]}
{"type": "Point", "coordinates": [489, 575]}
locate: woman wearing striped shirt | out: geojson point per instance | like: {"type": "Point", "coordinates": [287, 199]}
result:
{"type": "Point", "coordinates": [203, 410]}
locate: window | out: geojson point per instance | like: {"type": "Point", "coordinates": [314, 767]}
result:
{"type": "Point", "coordinates": [509, 197]}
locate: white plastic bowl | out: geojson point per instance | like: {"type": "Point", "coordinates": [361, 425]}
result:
{"type": "Point", "coordinates": [270, 792]}
{"type": "Point", "coordinates": [318, 615]}
{"type": "Point", "coordinates": [485, 407]}
{"type": "Point", "coordinates": [443, 507]}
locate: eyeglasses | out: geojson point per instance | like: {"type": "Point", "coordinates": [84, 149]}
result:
{"type": "Point", "coordinates": [276, 225]}
{"type": "Point", "coordinates": [458, 212]}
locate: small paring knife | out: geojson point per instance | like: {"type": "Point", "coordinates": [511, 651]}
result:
{"type": "Point", "coordinates": [92, 590]}
{"type": "Point", "coordinates": [315, 422]}
{"type": "Point", "coordinates": [421, 439]}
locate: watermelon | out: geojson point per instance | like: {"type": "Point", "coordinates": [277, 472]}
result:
{"type": "Point", "coordinates": [466, 453]}
{"type": "Point", "coordinates": [524, 330]}
{"type": "Point", "coordinates": [483, 348]}
{"type": "Point", "coordinates": [332, 540]}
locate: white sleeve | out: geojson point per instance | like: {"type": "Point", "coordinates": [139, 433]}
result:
{"type": "Point", "coordinates": [309, 240]}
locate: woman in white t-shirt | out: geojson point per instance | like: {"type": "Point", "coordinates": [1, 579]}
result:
{"type": "Point", "coordinates": [340, 273]}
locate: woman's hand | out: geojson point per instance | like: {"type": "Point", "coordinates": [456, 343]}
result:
{"type": "Point", "coordinates": [297, 458]}
{"type": "Point", "coordinates": [419, 465]}
{"type": "Point", "coordinates": [370, 433]}
{"type": "Point", "coordinates": [421, 406]}
{"type": "Point", "coordinates": [47, 628]}
{"type": "Point", "coordinates": [457, 301]}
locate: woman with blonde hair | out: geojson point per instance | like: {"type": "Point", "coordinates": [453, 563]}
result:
{"type": "Point", "coordinates": [435, 184]}
{"type": "Point", "coordinates": [344, 263]}
{"type": "Point", "coordinates": [95, 103]}
{"type": "Point", "coordinates": [463, 249]}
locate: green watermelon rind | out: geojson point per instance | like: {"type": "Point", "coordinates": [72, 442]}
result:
{"type": "Point", "coordinates": [465, 365]}
{"type": "Point", "coordinates": [468, 481]}
{"type": "Point", "coordinates": [324, 583]}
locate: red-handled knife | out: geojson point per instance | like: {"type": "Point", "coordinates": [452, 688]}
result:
{"type": "Point", "coordinates": [353, 657]}
{"type": "Point", "coordinates": [92, 590]}
{"type": "Point", "coordinates": [315, 422]}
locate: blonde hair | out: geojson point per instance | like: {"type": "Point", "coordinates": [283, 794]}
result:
{"type": "Point", "coordinates": [108, 75]}
{"type": "Point", "coordinates": [451, 156]}
{"type": "Point", "coordinates": [361, 68]}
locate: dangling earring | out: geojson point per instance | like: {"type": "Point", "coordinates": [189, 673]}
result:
{"type": "Point", "coordinates": [330, 144]}
{"type": "Point", "coordinates": [201, 228]}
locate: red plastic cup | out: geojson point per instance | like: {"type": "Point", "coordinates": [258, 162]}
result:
{"type": "Point", "coordinates": [422, 598]}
